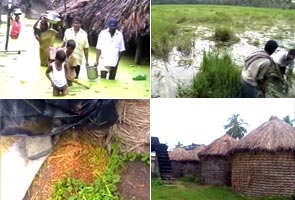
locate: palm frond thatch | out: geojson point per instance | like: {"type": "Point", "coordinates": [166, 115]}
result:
{"type": "Point", "coordinates": [132, 130]}
{"type": "Point", "coordinates": [133, 15]}
{"type": "Point", "coordinates": [219, 147]}
{"type": "Point", "coordinates": [197, 150]}
{"type": "Point", "coordinates": [271, 136]}
{"type": "Point", "coordinates": [178, 154]}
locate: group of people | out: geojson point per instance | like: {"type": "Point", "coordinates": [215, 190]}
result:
{"type": "Point", "coordinates": [257, 64]}
{"type": "Point", "coordinates": [64, 63]}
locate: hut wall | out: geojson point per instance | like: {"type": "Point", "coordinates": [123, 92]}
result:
{"type": "Point", "coordinates": [264, 174]}
{"type": "Point", "coordinates": [177, 168]}
{"type": "Point", "coordinates": [155, 167]}
{"type": "Point", "coordinates": [192, 168]}
{"type": "Point", "coordinates": [215, 170]}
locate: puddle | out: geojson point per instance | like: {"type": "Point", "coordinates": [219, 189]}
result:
{"type": "Point", "coordinates": [22, 76]}
{"type": "Point", "coordinates": [181, 69]}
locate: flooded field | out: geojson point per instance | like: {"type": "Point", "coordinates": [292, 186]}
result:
{"type": "Point", "coordinates": [22, 76]}
{"type": "Point", "coordinates": [180, 68]}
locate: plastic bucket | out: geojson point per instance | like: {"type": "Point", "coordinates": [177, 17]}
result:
{"type": "Point", "coordinates": [92, 72]}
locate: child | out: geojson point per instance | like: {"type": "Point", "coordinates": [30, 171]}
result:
{"type": "Point", "coordinates": [15, 28]}
{"type": "Point", "coordinates": [71, 61]}
{"type": "Point", "coordinates": [58, 76]}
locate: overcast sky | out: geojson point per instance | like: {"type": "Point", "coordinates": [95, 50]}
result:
{"type": "Point", "coordinates": [201, 121]}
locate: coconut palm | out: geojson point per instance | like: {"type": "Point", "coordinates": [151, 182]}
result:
{"type": "Point", "coordinates": [288, 120]}
{"type": "Point", "coordinates": [179, 144]}
{"type": "Point", "coordinates": [235, 127]}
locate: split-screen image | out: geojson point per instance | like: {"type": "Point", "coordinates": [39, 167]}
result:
{"type": "Point", "coordinates": [147, 100]}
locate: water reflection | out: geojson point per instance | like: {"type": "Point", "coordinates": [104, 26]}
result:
{"type": "Point", "coordinates": [182, 68]}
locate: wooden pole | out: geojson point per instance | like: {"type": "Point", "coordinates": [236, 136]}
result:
{"type": "Point", "coordinates": [0, 12]}
{"type": "Point", "coordinates": [138, 51]}
{"type": "Point", "coordinates": [8, 25]}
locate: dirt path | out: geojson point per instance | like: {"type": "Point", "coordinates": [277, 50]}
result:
{"type": "Point", "coordinates": [135, 181]}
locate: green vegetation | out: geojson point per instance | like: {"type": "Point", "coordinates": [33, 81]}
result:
{"type": "Point", "coordinates": [157, 181]}
{"type": "Point", "coordinates": [188, 191]}
{"type": "Point", "coordinates": [235, 127]}
{"type": "Point", "coordinates": [175, 25]}
{"type": "Point", "coordinates": [104, 186]}
{"type": "Point", "coordinates": [191, 179]}
{"type": "Point", "coordinates": [218, 78]}
{"type": "Point", "coordinates": [225, 36]}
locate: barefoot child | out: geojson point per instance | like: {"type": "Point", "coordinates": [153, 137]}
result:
{"type": "Point", "coordinates": [71, 61]}
{"type": "Point", "coordinates": [58, 74]}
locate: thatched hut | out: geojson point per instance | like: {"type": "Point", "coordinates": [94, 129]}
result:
{"type": "Point", "coordinates": [133, 17]}
{"type": "Point", "coordinates": [185, 163]}
{"type": "Point", "coordinates": [192, 166]}
{"type": "Point", "coordinates": [263, 162]}
{"type": "Point", "coordinates": [215, 163]}
{"type": "Point", "coordinates": [176, 158]}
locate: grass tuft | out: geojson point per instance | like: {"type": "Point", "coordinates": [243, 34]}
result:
{"type": "Point", "coordinates": [218, 78]}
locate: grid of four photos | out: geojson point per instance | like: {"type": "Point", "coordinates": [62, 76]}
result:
{"type": "Point", "coordinates": [147, 100]}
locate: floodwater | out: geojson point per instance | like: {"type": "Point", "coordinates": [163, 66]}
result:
{"type": "Point", "coordinates": [180, 69]}
{"type": "Point", "coordinates": [22, 76]}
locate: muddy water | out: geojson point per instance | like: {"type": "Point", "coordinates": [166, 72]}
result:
{"type": "Point", "coordinates": [181, 69]}
{"type": "Point", "coordinates": [22, 76]}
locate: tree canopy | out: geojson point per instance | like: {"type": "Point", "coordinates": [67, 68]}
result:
{"type": "Point", "coordinates": [235, 127]}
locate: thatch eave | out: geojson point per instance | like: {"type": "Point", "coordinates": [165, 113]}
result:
{"type": "Point", "coordinates": [272, 136]}
{"type": "Point", "coordinates": [219, 147]}
{"type": "Point", "coordinates": [133, 16]}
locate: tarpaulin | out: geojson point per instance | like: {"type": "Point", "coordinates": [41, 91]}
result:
{"type": "Point", "coordinates": [37, 117]}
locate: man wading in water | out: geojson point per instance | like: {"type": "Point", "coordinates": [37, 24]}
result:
{"type": "Point", "coordinates": [256, 66]}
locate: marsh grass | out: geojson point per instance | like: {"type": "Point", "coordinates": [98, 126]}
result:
{"type": "Point", "coordinates": [225, 36]}
{"type": "Point", "coordinates": [168, 22]}
{"type": "Point", "coordinates": [218, 78]}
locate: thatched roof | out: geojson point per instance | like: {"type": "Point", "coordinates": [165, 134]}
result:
{"type": "Point", "coordinates": [178, 154]}
{"type": "Point", "coordinates": [219, 147]}
{"type": "Point", "coordinates": [197, 150]}
{"type": "Point", "coordinates": [272, 136]}
{"type": "Point", "coordinates": [133, 16]}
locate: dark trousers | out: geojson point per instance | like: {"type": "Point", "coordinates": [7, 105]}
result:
{"type": "Point", "coordinates": [77, 70]}
{"type": "Point", "coordinates": [283, 70]}
{"type": "Point", "coordinates": [112, 71]}
{"type": "Point", "coordinates": [249, 91]}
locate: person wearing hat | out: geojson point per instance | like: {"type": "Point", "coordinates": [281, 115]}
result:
{"type": "Point", "coordinates": [110, 45]}
{"type": "Point", "coordinates": [77, 34]}
{"type": "Point", "coordinates": [46, 38]}
{"type": "Point", "coordinates": [256, 66]}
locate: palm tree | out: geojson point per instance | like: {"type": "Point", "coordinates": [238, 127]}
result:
{"type": "Point", "coordinates": [178, 144]}
{"type": "Point", "coordinates": [235, 127]}
{"type": "Point", "coordinates": [288, 120]}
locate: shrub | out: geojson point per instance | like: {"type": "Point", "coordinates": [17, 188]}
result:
{"type": "Point", "coordinates": [225, 35]}
{"type": "Point", "coordinates": [191, 179]}
{"type": "Point", "coordinates": [156, 182]}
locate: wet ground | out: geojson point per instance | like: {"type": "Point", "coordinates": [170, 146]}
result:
{"type": "Point", "coordinates": [135, 182]}
{"type": "Point", "coordinates": [180, 69]}
{"type": "Point", "coordinates": [22, 76]}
